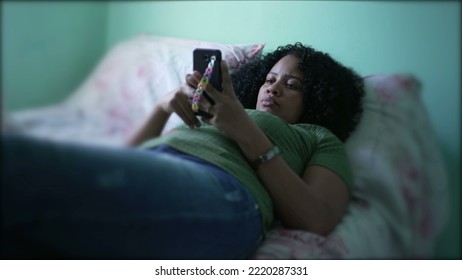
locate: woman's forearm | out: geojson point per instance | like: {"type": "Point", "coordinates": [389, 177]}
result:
{"type": "Point", "coordinates": [297, 201]}
{"type": "Point", "coordinates": [151, 128]}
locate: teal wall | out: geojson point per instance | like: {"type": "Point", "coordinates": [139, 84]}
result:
{"type": "Point", "coordinates": [423, 38]}
{"type": "Point", "coordinates": [48, 48]}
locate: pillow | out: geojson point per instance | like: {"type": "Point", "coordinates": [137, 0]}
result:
{"type": "Point", "coordinates": [120, 93]}
{"type": "Point", "coordinates": [397, 163]}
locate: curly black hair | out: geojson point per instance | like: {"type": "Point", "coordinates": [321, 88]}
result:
{"type": "Point", "coordinates": [332, 93]}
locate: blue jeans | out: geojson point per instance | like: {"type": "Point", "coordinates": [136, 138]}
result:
{"type": "Point", "coordinates": [62, 200]}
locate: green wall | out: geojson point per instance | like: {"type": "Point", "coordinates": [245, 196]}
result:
{"type": "Point", "coordinates": [49, 48]}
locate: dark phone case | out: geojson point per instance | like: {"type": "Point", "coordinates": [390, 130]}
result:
{"type": "Point", "coordinates": [201, 59]}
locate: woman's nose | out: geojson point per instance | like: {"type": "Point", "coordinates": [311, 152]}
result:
{"type": "Point", "coordinates": [273, 89]}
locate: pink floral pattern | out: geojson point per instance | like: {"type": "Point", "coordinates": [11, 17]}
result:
{"type": "Point", "coordinates": [399, 195]}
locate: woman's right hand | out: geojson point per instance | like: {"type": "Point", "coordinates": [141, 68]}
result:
{"type": "Point", "coordinates": [179, 101]}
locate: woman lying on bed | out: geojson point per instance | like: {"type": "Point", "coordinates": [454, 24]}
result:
{"type": "Point", "coordinates": [271, 152]}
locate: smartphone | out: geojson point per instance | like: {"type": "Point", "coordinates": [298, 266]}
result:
{"type": "Point", "coordinates": [201, 60]}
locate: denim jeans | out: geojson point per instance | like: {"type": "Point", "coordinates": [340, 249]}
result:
{"type": "Point", "coordinates": [75, 201]}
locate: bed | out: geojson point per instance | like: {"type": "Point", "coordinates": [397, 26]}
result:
{"type": "Point", "coordinates": [399, 201]}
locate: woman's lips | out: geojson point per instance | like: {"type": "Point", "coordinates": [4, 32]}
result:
{"type": "Point", "coordinates": [268, 102]}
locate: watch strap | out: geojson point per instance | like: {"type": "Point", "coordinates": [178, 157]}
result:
{"type": "Point", "coordinates": [274, 151]}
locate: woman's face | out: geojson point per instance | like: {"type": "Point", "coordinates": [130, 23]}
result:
{"type": "Point", "coordinates": [281, 94]}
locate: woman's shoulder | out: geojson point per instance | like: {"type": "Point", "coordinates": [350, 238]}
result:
{"type": "Point", "coordinates": [314, 128]}
{"type": "Point", "coordinates": [261, 114]}
{"type": "Point", "coordinates": [322, 134]}
{"type": "Point", "coordinates": [263, 118]}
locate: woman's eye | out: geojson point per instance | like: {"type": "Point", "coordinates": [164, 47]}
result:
{"type": "Point", "coordinates": [292, 86]}
{"type": "Point", "coordinates": [270, 80]}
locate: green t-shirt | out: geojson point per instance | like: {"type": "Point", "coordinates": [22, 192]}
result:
{"type": "Point", "coordinates": [301, 145]}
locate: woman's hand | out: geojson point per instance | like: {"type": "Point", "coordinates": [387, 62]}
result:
{"type": "Point", "coordinates": [178, 101]}
{"type": "Point", "coordinates": [229, 116]}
